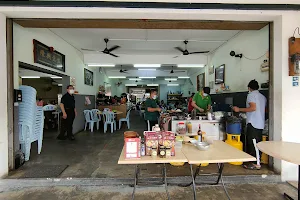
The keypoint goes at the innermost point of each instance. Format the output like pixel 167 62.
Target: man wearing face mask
pixel 255 110
pixel 152 110
pixel 68 109
pixel 202 101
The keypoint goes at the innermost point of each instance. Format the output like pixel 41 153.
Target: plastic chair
pixel 109 119
pixel 96 116
pixel 106 110
pixel 127 120
pixel 88 115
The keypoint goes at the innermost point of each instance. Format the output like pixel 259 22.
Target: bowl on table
pixel 202 146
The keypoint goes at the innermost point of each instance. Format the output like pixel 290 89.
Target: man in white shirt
pixel 255 111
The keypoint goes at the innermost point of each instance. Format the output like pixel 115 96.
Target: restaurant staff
pixel 202 101
pixel 152 110
pixel 255 111
pixel 68 109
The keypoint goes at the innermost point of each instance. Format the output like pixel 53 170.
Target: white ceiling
pixel 145 42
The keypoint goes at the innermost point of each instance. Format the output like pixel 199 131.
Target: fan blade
pixel 177 72
pixel 179 49
pixel 113 48
pixel 90 50
pixel 199 52
pixel 113 55
pixel 175 56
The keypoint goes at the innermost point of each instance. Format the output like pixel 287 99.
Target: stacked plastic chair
pixel 31 121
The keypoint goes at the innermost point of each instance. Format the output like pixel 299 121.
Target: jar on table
pixel 181 128
pixel 189 127
pixel 154 152
pixel 168 152
pixel 162 152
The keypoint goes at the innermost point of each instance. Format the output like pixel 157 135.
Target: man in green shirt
pixel 202 101
pixel 152 110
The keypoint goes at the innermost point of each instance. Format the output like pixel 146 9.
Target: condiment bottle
pixel 143 148
pixel 199 134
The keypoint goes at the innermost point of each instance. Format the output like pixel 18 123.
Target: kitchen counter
pixel 212 128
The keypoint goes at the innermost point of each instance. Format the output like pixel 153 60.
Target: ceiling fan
pixel 186 52
pixel 173 72
pixel 123 70
pixel 106 50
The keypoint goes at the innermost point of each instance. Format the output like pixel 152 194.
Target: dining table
pixel 287 151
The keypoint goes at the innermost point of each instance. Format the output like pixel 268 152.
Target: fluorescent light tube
pixel 135 79
pixel 171 79
pixel 55 77
pixel 130 84
pixel 117 77
pixel 190 65
pixel 147 77
pixel 172 84
pixel 147 65
pixel 147 69
pixel 59 85
pixel 101 65
pixel 183 77
pixel 152 84
pixel 30 77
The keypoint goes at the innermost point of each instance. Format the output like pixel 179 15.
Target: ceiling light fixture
pixel 130 84
pixel 147 77
pixel 117 77
pixel 59 85
pixel 55 77
pixel 172 84
pixel 101 65
pixel 183 77
pixel 147 69
pixel 135 79
pixel 30 77
pixel 146 65
pixel 190 65
pixel 171 79
pixel 152 85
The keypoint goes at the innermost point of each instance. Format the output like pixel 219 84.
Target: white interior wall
pixel 238 72
pixel 23 51
pixel 3 100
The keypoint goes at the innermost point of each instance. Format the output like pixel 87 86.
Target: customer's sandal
pixel 251 166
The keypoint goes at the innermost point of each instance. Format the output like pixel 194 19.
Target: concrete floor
pixel 236 192
pixel 95 155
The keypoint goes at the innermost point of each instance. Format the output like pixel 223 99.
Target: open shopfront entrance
pixel 96 154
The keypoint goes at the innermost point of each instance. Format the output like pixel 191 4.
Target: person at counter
pixel 190 106
pixel 152 110
pixel 202 101
pixel 255 111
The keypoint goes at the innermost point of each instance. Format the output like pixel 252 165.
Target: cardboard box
pixel 132 148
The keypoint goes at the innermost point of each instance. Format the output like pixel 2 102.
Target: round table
pixel 286 151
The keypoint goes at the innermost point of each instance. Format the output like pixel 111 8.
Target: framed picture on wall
pixel 88 77
pixel 48 56
pixel 220 74
pixel 200 81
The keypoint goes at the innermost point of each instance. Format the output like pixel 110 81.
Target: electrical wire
pixel 255 58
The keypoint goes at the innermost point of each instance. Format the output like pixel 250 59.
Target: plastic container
pixel 235 141
pixel 181 128
pixel 233 128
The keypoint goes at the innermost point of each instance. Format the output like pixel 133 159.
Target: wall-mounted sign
pixel 295 81
pixel 88 77
pixel 47 56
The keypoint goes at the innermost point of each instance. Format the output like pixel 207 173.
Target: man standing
pixel 68 109
pixel 152 110
pixel 255 110
pixel 202 101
